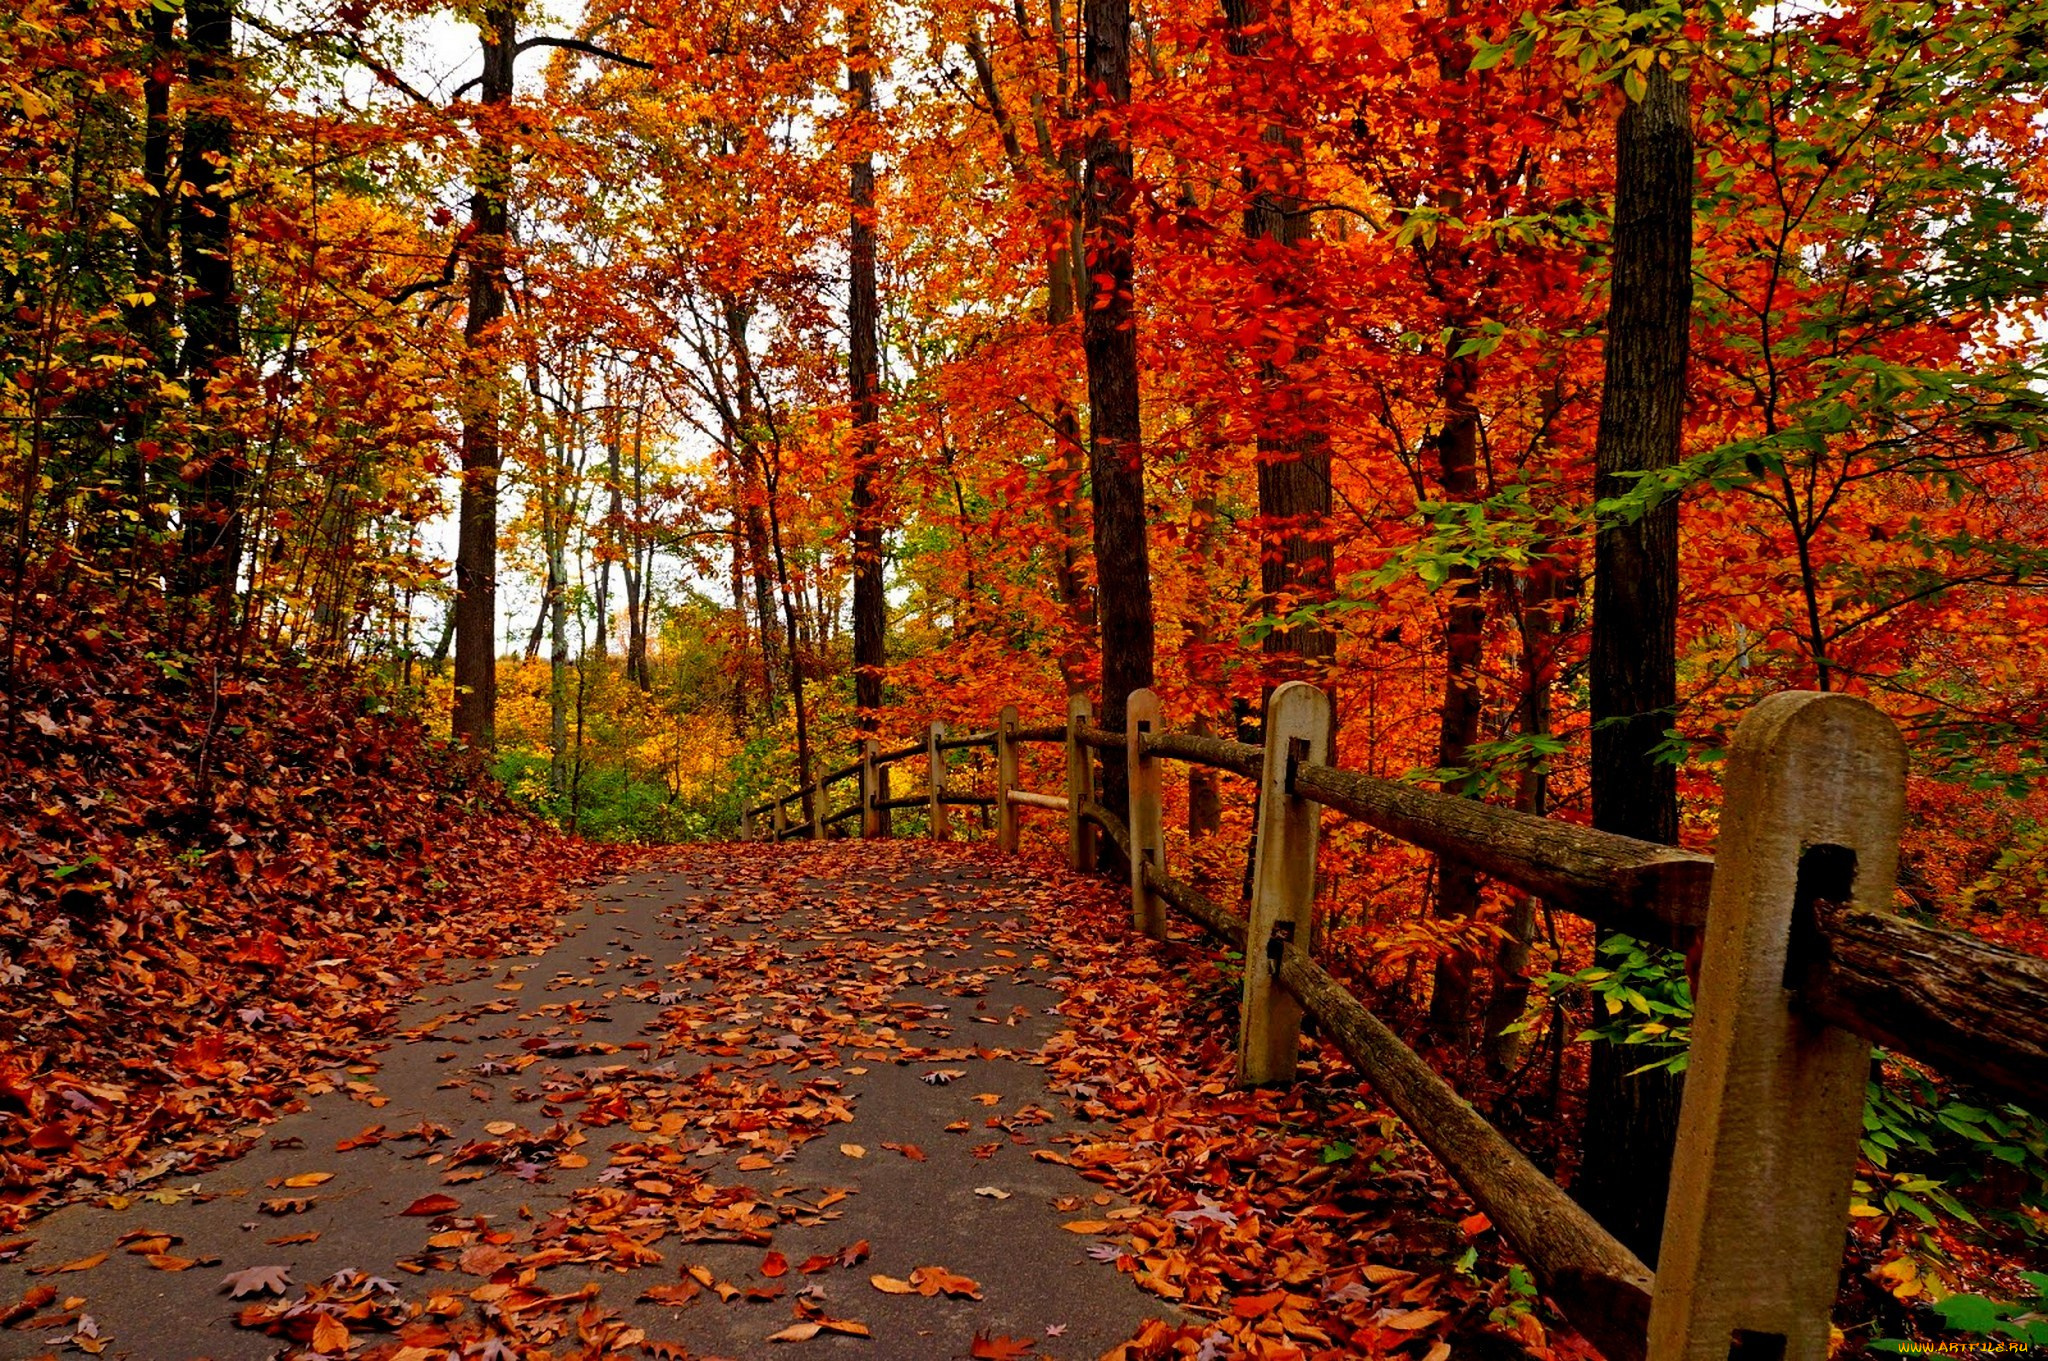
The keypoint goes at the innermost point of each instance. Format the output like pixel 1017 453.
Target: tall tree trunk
pixel 1062 225
pixel 1542 587
pixel 476 552
pixel 1448 265
pixel 870 606
pixel 1109 338
pixel 1294 450
pixel 1208 694
pixel 557 532
pixel 753 494
pixel 213 331
pixel 639 588
pixel 1632 1122
pixel 153 322
pixel 1457 897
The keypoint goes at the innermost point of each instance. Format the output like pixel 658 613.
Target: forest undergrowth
pixel 221 873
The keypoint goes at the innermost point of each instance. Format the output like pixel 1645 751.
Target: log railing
pixel 1801 966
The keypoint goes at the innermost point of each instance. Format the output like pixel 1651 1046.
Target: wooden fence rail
pixel 1802 966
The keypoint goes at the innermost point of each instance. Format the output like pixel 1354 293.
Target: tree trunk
pixel 1294 451
pixel 1109 338
pixel 1632 1122
pixel 1062 220
pixel 1206 692
pixel 1457 898
pixel 870 606
pixel 558 639
pixel 753 493
pixel 476 552
pixel 153 322
pixel 213 527
pixel 639 589
pixel 1542 588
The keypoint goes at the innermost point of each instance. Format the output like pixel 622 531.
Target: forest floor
pixel 890 1098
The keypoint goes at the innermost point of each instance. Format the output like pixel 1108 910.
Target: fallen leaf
pixel 306 1179
pixel 996 1347
pixel 992 1192
pixel 1087 1226
pixel 853 1150
pixel 774 1264
pixel 330 1335
pixel 257 1280
pixel 82 1264
pixel 436 1204
pixel 797 1332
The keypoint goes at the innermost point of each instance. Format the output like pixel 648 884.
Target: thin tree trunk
pixel 1457 898
pixel 476 552
pixel 1632 1122
pixel 1457 449
pixel 870 606
pixel 1294 450
pixel 1542 589
pixel 753 494
pixel 1063 491
pixel 153 321
pixel 1109 338
pixel 639 589
pixel 213 333
pixel 1205 793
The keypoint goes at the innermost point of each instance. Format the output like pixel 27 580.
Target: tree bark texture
pixel 1631 1122
pixel 1109 338
pixel 476 551
pixel 870 605
pixel 212 510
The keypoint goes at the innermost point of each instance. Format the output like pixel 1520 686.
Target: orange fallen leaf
pixel 330 1335
pixel 797 1332
pixel 82 1264
pixel 774 1264
pixel 436 1204
pixel 305 1179
pixel 1087 1226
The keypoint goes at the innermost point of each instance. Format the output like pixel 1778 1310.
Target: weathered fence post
pixel 1147 823
pixel 1006 780
pixel 1773 1108
pixel 818 810
pixel 1080 786
pixel 781 819
pixel 1283 882
pixel 936 772
pixel 870 815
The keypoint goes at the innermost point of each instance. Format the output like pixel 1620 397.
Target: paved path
pixel 728 1097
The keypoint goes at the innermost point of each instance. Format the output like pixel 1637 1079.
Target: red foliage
pixel 217 877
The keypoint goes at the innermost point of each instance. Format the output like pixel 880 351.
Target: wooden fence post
pixel 781 819
pixel 1006 780
pixel 1147 823
pixel 818 811
pixel 936 774
pixel 871 792
pixel 1283 883
pixel 1080 786
pixel 1754 1229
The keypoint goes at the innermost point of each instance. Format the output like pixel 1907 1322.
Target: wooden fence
pixel 1802 966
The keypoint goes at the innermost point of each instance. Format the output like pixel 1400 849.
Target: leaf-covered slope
pixel 217 877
